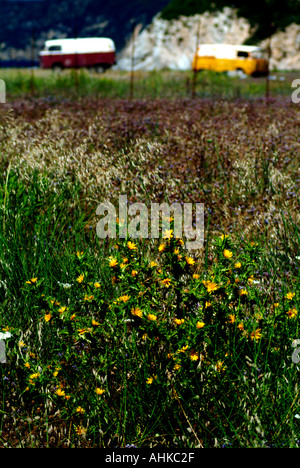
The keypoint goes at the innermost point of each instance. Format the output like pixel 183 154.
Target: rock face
pixel 286 49
pixel 171 44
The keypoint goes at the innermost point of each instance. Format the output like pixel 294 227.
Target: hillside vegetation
pixel 265 17
pixel 55 18
pixel 19 20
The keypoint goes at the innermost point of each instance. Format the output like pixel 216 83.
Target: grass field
pixel 155 84
pixel 139 341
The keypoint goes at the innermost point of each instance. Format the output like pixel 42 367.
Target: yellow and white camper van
pixel 251 60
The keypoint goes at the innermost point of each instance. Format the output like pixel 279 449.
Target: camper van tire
pixel 99 68
pixel 240 73
pixel 57 67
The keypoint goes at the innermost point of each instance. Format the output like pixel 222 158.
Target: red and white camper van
pixel 91 52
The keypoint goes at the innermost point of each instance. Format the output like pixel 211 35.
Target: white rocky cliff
pixel 171 44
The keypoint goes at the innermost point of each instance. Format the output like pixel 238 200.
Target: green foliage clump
pixel 265 17
pixel 139 341
pixel 189 8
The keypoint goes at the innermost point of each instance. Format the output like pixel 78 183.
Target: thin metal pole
pixel 76 59
pixel 268 74
pixel 136 31
pixel 32 62
pixel 132 66
pixel 195 70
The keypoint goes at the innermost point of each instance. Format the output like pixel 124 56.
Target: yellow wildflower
pixel 88 298
pixel 183 349
pixel 194 356
pixel 196 276
pixel 80 431
pixel 240 326
pixel 97 285
pixel 210 286
pixel 32 281
pixel 161 248
pixel 134 273
pixel 178 321
pixel 54 302
pixel 227 253
pixel 250 279
pixel 35 376
pixel 27 365
pixel 168 234
pixel 200 325
pixel 137 312
pixel 113 262
pixel 80 410
pixel 220 366
pixel 149 380
pixel 99 391
pixel 80 279
pixel 243 292
pixel 292 313
pixel 47 317
pixel 153 264
pixel 151 317
pixel 231 318
pixel 131 245
pixel 124 298
pixel 290 295
pixel 238 265
pixel 256 334
pixel 189 260
pixel 166 282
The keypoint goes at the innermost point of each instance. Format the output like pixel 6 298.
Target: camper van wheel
pixel 240 71
pixel 57 67
pixel 99 69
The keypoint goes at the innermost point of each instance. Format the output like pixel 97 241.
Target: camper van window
pixel 55 48
pixel 241 53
